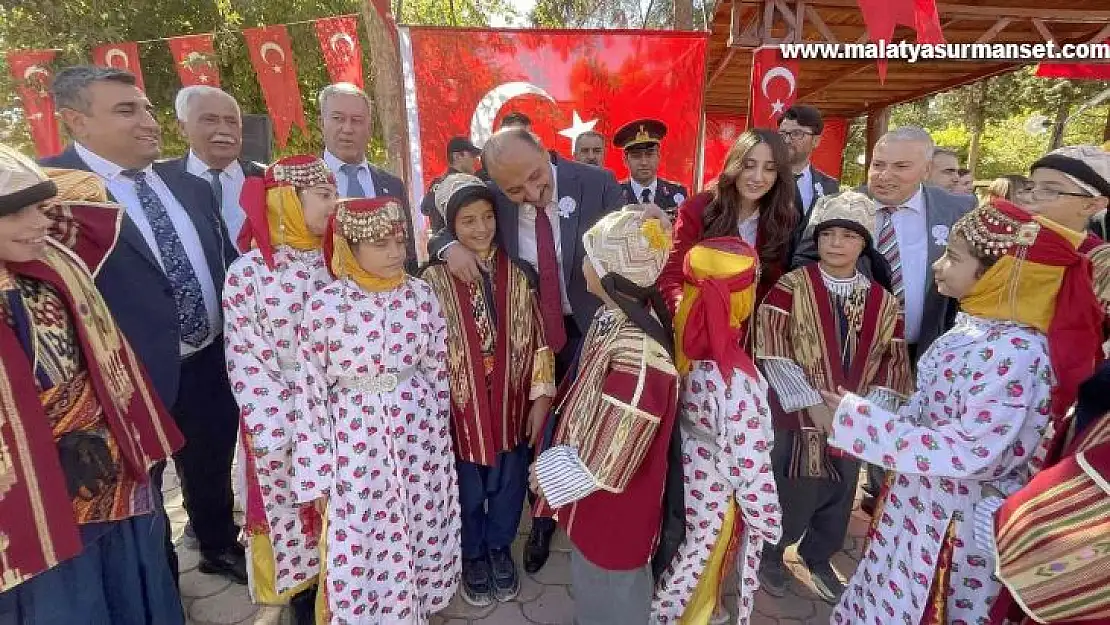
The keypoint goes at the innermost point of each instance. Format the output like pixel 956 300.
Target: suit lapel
pixel 205 224
pixel 932 220
pixel 569 187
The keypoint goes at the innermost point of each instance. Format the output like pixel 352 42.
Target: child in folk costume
pixel 732 503
pixel 1029 327
pixel 264 299
pixel 604 474
pixel 502 376
pixel 821 327
pixel 374 448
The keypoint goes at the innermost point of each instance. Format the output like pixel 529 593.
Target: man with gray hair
pixel 345 122
pixel 912 224
pixel 589 148
pixel 944 170
pixel 213 125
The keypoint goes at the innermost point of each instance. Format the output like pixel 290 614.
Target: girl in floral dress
pixel 732 505
pixel 264 299
pixel 373 447
pixel 984 394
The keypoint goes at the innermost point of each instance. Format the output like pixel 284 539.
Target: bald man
pixel 573 196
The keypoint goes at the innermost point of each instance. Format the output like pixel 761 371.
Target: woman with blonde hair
pixel 1013 188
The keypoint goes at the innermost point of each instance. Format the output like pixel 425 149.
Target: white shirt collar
pixel 554 184
pixel 335 164
pixel 916 202
pixel 101 166
pixel 638 189
pixel 194 165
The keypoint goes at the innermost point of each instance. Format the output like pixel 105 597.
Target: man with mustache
pixel 212 123
pixel 162 284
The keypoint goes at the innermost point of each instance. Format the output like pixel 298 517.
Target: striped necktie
pixel 888 247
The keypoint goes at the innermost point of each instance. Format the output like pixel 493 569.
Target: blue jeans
pixel 491 499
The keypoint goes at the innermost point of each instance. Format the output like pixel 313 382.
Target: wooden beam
pixel 822 27
pixel 721 67
pixel 734 23
pixel 948 9
pixel 1043 30
pixel 878 120
pixel 991 33
pixel 799 31
pixel 768 21
pixel 1101 35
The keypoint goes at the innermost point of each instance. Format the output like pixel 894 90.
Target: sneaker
pixel 506 583
pixel 189 537
pixel 477 583
pixel 772 577
pixel 826 581
pixel 720 616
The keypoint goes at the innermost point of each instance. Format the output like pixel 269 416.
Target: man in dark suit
pixel 913 220
pixel 570 197
pixel 162 283
pixel 213 125
pixel 345 121
pixel 462 158
pixel 641 140
pixel 801 127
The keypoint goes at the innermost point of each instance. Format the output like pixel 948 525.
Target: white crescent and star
pixel 778 72
pixel 116 52
pixel 268 46
pixel 481 123
pixel 341 36
pixel 35 69
pixel 577 127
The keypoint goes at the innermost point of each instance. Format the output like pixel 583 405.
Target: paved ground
pixel 545 599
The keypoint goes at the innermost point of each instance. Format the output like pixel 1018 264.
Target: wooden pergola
pixel 849 88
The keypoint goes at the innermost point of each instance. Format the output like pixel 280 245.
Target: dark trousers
pixel 491 499
pixel 208 416
pixel 819 509
pixel 565 361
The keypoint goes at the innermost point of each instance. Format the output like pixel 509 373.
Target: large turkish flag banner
pixel 123 55
pixel 466 80
pixel 774 86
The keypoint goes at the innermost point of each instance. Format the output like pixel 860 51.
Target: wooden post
pixel 683 15
pixel 388 90
pixel 877 122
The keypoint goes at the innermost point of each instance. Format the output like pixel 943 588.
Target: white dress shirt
pixel 364 177
pixel 526 236
pixel 805 187
pixel 232 178
pixel 911 230
pixel 638 190
pixel 748 229
pixel 123 190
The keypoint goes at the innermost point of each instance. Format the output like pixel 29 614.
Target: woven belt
pixel 385 382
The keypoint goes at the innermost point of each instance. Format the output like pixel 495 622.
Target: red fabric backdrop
pixel 722 130
pixel 467 80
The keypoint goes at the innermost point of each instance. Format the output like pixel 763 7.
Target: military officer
pixel 640 141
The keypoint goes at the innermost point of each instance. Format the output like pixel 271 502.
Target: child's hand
pixel 533 426
pixel 832 400
pixel 534 480
pixel 822 418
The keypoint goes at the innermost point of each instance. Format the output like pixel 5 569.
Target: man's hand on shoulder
pixel 462 263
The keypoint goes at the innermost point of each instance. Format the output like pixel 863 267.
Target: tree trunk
pixel 684 14
pixel 976 116
pixel 1058 124
pixel 388 92
pixel 1106 128
pixel 878 120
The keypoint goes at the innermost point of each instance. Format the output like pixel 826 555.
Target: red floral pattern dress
pixel 376 442
pixel 262 314
pixel 980 410
pixel 726 445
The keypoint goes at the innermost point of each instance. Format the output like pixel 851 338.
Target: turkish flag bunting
pixel 882 16
pixel 723 129
pixel 774 86
pixel 272 58
pixel 566 81
pixel 1076 71
pixel 124 55
pixel 342 52
pixel 31 72
pixel 195 60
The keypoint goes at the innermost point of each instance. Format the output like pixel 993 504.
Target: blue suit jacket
pixel 134 286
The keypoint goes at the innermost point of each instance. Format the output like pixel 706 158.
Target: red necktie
pixel 551 298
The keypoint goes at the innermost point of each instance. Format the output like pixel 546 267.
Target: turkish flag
pixel 566 81
pixel 195 60
pixel 882 16
pixel 124 55
pixel 1075 71
pixel 272 58
pixel 723 129
pixel 342 52
pixel 774 86
pixel 31 71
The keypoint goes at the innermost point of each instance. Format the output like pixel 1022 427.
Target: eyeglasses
pixel 1051 195
pixel 795 135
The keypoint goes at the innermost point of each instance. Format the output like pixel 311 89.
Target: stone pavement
pixel 545 599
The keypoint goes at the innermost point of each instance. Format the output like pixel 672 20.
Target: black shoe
pixel 772 576
pixel 538 549
pixel 230 563
pixel 477 583
pixel 826 581
pixel 303 607
pixel 506 583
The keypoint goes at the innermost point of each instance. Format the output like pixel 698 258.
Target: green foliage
pixel 614 13
pixel 36 24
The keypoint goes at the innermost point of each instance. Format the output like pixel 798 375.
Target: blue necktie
pixel 192 317
pixel 354 187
